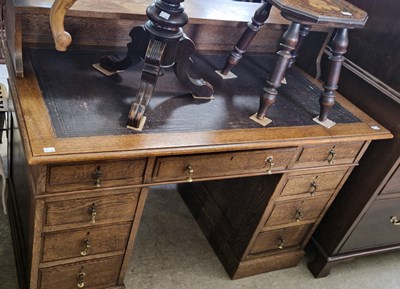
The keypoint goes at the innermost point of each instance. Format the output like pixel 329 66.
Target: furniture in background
pixel 79 178
pixel 363 220
pixel 160 43
pixel 340 15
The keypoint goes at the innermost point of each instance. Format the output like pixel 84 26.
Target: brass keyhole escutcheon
pixel 313 188
pixel 81 279
pixel 86 244
pixel 269 161
pixel 281 241
pixel 97 175
pixel 395 221
pixel 190 170
pixel 92 212
pixel 331 155
pixel 298 215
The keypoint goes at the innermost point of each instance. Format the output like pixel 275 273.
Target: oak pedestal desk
pixel 79 178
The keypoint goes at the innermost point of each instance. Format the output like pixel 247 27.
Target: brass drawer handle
pixel 395 221
pixel 92 212
pixel 97 175
pixel 270 163
pixel 331 155
pixel 85 251
pixel 281 242
pixel 298 215
pixel 81 280
pixel 190 170
pixel 313 188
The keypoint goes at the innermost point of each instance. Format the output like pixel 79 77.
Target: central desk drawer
pixel 85 242
pixel 95 274
pixel 95 175
pixel 192 167
pixel 292 212
pixel 91 211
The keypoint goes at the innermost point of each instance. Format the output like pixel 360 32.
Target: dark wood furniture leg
pixel 161 43
pixel 339 46
pixel 304 30
pixel 260 16
pixel 321 265
pixel 288 44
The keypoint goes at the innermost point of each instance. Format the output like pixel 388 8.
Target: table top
pixel 70 112
pixel 335 13
pixel 198 11
pixel 324 12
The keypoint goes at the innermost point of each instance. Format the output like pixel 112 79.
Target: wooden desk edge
pixel 37 133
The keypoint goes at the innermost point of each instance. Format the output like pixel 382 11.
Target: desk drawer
pixel 328 154
pixel 280 239
pixel 313 184
pixel 95 175
pixel 85 242
pixel 183 168
pixel 83 211
pixel 292 212
pixel 95 274
pixel 379 227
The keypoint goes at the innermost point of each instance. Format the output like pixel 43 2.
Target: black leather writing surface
pixel 83 102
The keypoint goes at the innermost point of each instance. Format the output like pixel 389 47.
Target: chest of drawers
pixel 362 220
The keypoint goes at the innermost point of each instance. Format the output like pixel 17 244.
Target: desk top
pixel 70 112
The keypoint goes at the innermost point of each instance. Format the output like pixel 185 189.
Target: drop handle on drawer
pixel 281 241
pixel 395 221
pixel 269 161
pixel 298 214
pixel 81 280
pixel 313 188
pixel 331 155
pixel 97 175
pixel 190 171
pixel 92 212
pixel 85 251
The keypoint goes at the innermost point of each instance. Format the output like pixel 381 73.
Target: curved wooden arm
pixel 57 13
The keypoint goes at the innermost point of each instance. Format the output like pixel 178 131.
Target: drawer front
pixel 313 184
pixel 183 168
pixel 94 175
pixel 328 154
pixel 292 212
pixel 95 210
pixel 97 274
pixel 87 242
pixel 280 239
pixel 378 227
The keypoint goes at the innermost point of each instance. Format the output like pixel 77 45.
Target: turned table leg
pixel 288 44
pixel 304 30
pixel 339 46
pixel 260 16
